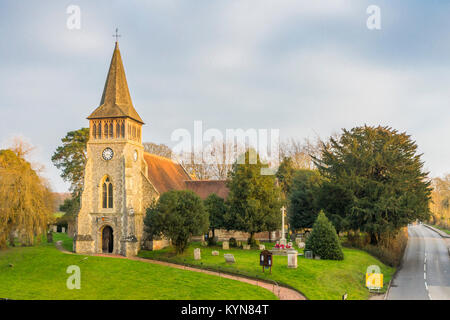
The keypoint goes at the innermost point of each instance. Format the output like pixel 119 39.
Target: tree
pixel 301 153
pixel 384 174
pixel 323 240
pixel 26 201
pixel 216 208
pixel 70 207
pixel 71 158
pixel 178 215
pixel 254 199
pixel 303 199
pixel 337 202
pixel 158 149
pixel 285 174
pixel 212 162
pixel 440 205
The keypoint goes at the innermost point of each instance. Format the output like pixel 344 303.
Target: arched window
pixel 110 196
pixel 107 198
pixel 94 131
pixel 106 131
pixel 117 129
pixel 111 127
pixel 105 195
pixel 100 130
pixel 123 130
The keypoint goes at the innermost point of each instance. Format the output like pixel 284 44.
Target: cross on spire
pixel 117 35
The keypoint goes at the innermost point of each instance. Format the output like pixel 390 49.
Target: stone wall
pixel 223 234
pixel 155 244
pixel 132 195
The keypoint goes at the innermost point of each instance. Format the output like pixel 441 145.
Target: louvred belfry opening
pixel 116 113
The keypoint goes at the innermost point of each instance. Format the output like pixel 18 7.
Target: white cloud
pixel 231 63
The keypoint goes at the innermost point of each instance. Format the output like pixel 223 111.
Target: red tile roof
pixel 203 188
pixel 165 174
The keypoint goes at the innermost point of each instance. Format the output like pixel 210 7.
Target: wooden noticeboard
pixel 265 260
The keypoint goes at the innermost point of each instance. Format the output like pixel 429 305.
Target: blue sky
pixel 307 68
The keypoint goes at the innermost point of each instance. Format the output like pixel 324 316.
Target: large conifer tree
pixel 303 199
pixel 254 199
pixel 382 170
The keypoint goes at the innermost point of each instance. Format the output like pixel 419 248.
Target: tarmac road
pixel 425 273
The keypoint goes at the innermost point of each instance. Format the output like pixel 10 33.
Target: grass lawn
pixel 67 242
pixel 442 229
pixel 39 272
pixel 316 279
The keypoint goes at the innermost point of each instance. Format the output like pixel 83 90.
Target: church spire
pixel 116 99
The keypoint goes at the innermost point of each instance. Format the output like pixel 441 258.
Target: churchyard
pixel 39 272
pixel 316 279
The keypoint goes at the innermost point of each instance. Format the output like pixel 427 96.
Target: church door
pixel 107 240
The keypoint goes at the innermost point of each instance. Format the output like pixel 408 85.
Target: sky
pixel 307 68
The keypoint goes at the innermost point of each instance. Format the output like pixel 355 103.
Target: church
pixel 121 180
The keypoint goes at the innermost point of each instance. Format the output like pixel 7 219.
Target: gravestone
pixel 204 244
pixel 292 259
pixel 225 245
pixel 55 229
pixel 229 258
pixel 197 255
pixel 308 254
pixel 317 257
pixel 301 245
pixel 246 247
pixel 215 253
pixel 63 230
pixel 262 247
pixel 50 236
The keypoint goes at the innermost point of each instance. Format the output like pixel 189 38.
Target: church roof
pixel 165 174
pixel 116 99
pixel 203 188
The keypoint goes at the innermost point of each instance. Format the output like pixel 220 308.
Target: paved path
pixel 59 246
pixel 425 272
pixel 283 293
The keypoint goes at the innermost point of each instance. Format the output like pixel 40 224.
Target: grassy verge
pixel 39 272
pixel 441 228
pixel 316 279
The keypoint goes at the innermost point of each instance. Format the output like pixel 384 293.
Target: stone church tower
pixel 121 180
pixel 113 200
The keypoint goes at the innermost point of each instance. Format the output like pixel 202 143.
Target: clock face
pixel 107 154
pixel 135 155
